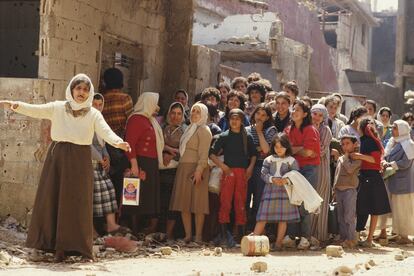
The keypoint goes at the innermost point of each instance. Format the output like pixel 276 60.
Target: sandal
pixel 86 259
pixel 59 256
pixel 122 230
pixel 275 248
pixel 183 242
pixel 194 244
pixel 38 256
pixel 404 241
pixel 367 244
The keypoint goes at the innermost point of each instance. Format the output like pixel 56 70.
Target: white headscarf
pixel 191 129
pixel 403 138
pixel 86 104
pixel 146 106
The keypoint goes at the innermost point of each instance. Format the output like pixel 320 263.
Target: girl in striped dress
pixel 263 131
pixel 275 205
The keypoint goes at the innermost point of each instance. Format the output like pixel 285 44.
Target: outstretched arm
pixel 39 111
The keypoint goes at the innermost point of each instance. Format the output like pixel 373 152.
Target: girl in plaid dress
pixel 104 198
pixel 275 205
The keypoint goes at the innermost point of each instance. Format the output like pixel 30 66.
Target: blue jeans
pixel 303 228
pixel 347 212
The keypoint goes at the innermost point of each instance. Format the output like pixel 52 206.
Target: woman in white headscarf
pixel 62 212
pixel 399 154
pixel 320 222
pixel 190 192
pixel 145 136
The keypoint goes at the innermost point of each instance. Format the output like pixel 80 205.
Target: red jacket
pixel 309 139
pixel 141 137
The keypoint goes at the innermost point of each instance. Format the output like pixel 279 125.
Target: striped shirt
pixel 269 134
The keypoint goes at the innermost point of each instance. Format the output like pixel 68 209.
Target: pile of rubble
pixel 13 251
pixel 12 238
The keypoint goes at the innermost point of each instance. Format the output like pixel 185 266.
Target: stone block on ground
pixel 334 251
pixel 342 271
pixel 259 267
pixel 166 250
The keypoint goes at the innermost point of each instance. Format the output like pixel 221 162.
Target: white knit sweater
pixel 66 128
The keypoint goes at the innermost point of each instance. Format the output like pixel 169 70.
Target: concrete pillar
pixel 179 24
pixel 400 52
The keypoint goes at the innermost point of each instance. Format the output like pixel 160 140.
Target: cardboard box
pixel 130 192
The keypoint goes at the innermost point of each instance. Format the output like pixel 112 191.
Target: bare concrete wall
pixel 409 32
pixel 204 69
pixel 383 54
pixel 72 33
pixel 353 47
pixel 179 14
pixel 19 38
pixel 23 144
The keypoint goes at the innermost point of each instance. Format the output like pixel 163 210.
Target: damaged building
pixel 164 45
pixel 352 30
pixel 45 43
pixel 281 40
pixel 159 45
pixel 404 59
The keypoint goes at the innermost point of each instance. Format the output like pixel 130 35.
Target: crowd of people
pixel 221 168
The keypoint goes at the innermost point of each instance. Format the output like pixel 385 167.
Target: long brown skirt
pixel 149 194
pixel 187 197
pixel 62 212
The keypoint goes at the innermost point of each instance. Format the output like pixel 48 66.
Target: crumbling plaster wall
pixel 204 69
pixel 23 144
pixel 256 43
pixel 178 46
pixel 383 54
pixel 72 32
pixel 409 32
pixel 300 24
pixel 353 49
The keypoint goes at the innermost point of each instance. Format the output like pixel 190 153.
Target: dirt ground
pixel 195 262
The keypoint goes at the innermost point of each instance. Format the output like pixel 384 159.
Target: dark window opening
pixel 331 38
pixel 127 57
pixel 363 33
pixel 19 38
